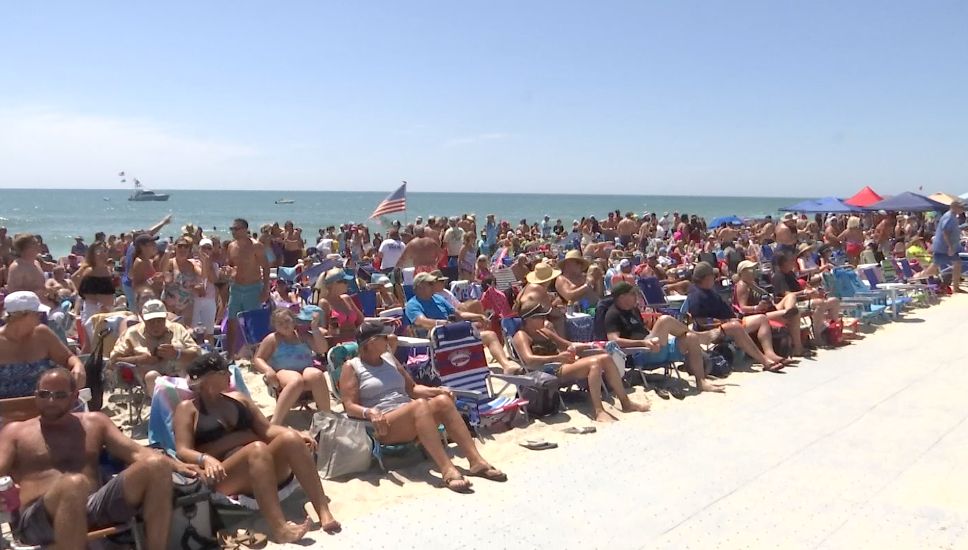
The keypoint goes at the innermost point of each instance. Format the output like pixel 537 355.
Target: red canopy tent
pixel 864 197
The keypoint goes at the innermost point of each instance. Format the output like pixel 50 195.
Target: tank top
pixel 291 356
pixel 381 387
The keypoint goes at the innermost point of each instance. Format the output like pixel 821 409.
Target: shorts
pixel 944 260
pixel 790 248
pixel 105 507
pixel 670 354
pixel 203 313
pixel 244 298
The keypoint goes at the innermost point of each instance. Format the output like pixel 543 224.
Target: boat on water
pixel 144 195
pixel 285 201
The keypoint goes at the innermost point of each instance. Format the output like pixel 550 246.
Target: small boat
pixel 285 201
pixel 144 195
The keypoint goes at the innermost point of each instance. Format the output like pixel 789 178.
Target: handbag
pixel 344 447
pixel 94 370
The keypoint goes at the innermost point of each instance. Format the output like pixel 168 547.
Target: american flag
pixel 395 202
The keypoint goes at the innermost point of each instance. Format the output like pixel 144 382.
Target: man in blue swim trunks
pixel 946 245
pixel 624 325
pixel 249 288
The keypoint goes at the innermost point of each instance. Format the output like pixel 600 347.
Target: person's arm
pixel 522 343
pixel 186 346
pixel 124 352
pixel 567 290
pixel 60 355
pixel 154 229
pixel 8 449
pixel 352 305
pixel 260 361
pixel 317 336
pixel 126 450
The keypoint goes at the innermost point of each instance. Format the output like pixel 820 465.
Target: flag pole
pixel 405 214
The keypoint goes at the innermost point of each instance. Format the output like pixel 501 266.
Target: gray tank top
pixel 382 387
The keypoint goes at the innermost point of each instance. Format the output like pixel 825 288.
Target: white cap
pixel 205 242
pixel 624 263
pixel 154 309
pixel 23 300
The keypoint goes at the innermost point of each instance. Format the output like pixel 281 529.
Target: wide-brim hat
pixel 542 273
pixel 804 248
pixel 574 255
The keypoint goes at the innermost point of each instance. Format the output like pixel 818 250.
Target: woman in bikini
pixel 182 274
pixel 144 272
pixel 338 310
pixel 285 358
pixel 853 240
pixel 467 258
pixel 239 451
pixel 95 282
pixel 538 344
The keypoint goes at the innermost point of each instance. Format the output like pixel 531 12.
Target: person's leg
pixel 232 310
pixel 614 381
pixel 737 332
pixel 589 368
pixel 760 326
pixel 472 306
pixel 689 345
pixel 315 381
pixel 445 412
pixel 66 505
pixel 493 344
pixel 253 469
pixel 956 274
pixel 147 484
pixel 292 387
pixel 416 420
pixel 290 453
pixel 791 318
pixel 150 376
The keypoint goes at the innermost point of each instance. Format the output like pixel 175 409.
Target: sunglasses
pixel 47 394
pixel 183 246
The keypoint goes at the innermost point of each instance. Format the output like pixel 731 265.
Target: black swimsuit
pixel 95 285
pixel 210 428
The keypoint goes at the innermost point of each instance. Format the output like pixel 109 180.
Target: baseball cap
pixel 702 270
pixel 439 275
pixel 154 309
pixel 621 288
pixel 746 264
pixel 372 329
pixel 23 300
pixel 424 278
pixel 205 242
pixel 144 239
pixel 624 264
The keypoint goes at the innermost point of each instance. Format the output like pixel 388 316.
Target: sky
pixel 752 98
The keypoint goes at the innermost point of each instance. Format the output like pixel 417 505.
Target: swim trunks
pixel 105 507
pixel 244 298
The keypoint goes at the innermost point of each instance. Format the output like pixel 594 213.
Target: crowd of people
pixel 178 299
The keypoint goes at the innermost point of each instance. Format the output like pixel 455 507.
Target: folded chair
pixel 457 354
pixel 639 360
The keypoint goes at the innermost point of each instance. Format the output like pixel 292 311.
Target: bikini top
pixel 92 285
pixel 210 427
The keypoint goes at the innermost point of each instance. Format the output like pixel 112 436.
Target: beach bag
pixel 194 520
pixel 782 341
pixel 344 446
pixel 541 393
pixel 716 364
pixel 833 333
pixel 579 327
pixel 94 370
pixel 422 371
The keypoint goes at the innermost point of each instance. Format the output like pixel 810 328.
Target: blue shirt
pixel 490 233
pixel 707 303
pixel 435 308
pixel 947 225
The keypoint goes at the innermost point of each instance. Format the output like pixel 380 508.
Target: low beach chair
pixel 862 309
pixel 655 298
pixel 639 360
pixel 897 293
pixel 457 354
pixel 889 298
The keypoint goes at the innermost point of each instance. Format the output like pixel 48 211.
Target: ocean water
pixel 59 214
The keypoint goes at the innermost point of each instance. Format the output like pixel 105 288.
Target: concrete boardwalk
pixel 865 447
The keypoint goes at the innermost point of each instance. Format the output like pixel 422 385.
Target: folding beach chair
pixel 457 354
pixel 651 290
pixel 504 278
pixel 895 293
pixel 255 325
pixel 639 360
pixel 863 309
pixel 888 298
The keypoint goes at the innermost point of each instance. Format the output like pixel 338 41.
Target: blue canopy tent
pixel 909 202
pixel 826 204
pixel 726 220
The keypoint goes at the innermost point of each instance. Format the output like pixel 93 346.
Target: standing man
pixel 946 245
pixel 421 252
pixel 389 253
pixel 453 241
pixel 249 270
pixel 490 235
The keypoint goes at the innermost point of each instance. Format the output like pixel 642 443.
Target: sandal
pixel 242 538
pixel 537 444
pixel 490 473
pixel 452 481
pixel 580 431
pixel 661 392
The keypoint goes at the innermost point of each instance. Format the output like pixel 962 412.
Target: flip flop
pixel 449 481
pixel 661 392
pixel 774 367
pixel 537 444
pixel 581 431
pixel 490 473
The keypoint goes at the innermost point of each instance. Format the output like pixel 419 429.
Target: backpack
pixel 833 333
pixel 194 521
pixel 94 370
pixel 541 394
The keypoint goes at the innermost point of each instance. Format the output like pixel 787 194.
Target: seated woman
pixel 340 313
pixel 95 282
pixel 239 451
pixel 537 344
pixel 785 282
pixel 283 296
pixel 285 358
pixel 751 299
pixel 482 269
pixel 27 349
pixel 376 387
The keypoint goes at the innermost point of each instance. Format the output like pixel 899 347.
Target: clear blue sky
pixel 673 97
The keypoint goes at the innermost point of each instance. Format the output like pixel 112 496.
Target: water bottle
pixel 10 497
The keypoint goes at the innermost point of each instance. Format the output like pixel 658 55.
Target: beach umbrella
pixel 964 195
pixel 865 197
pixel 825 204
pixel 943 198
pixel 726 220
pixel 909 202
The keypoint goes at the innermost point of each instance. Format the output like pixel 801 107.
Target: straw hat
pixel 542 273
pixel 804 248
pixel 576 256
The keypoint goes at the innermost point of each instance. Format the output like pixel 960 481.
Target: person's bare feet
pixel 327 522
pixel 604 417
pixel 291 532
pixel 512 368
pixel 706 385
pixel 632 406
pixel 710 336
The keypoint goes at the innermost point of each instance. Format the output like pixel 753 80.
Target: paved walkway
pixel 866 447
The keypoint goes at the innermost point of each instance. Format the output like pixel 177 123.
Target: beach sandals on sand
pixel 537 444
pixel 581 431
pixel 242 539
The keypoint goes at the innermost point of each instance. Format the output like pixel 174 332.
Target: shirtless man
pixel 421 252
pixel 573 283
pixel 249 271
pixel 626 229
pixel 883 233
pixel 27 270
pixel 536 291
pixel 786 234
pixel 55 459
pixel 6 246
pixel 766 232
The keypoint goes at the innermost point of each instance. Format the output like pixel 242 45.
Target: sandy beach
pixel 803 455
